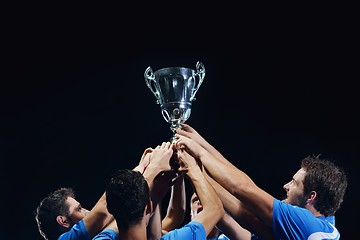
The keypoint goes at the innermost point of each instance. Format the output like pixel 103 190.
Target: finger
pixel 146 151
pixel 163 145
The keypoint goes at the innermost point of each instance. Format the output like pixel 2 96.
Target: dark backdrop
pixel 75 106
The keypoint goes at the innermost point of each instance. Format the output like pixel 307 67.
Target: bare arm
pixel 232 229
pixel 232 179
pixel 154 226
pixel 239 213
pixel 158 172
pixel 158 167
pixel 177 206
pixel 98 217
pixel 155 167
pixel 144 161
pixel 112 225
pixel 212 206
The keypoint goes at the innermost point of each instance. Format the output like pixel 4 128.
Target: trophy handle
pixel 200 74
pixel 150 82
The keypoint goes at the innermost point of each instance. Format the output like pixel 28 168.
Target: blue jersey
pixel 191 231
pixel 107 234
pixel 292 222
pixel 77 232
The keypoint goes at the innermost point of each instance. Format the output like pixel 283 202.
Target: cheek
pixel 295 195
pixel 77 216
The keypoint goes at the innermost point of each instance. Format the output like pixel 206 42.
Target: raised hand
pixel 144 161
pixel 186 161
pixel 191 133
pixel 160 157
pixel 190 145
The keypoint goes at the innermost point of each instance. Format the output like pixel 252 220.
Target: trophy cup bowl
pixel 174 89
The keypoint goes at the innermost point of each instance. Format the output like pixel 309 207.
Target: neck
pixel 135 232
pixel 315 212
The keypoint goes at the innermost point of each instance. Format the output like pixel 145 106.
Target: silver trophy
pixel 175 89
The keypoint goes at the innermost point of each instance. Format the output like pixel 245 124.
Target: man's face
pixel 76 211
pixel 195 205
pixel 295 189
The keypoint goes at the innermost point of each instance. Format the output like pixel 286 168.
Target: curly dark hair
pixel 49 208
pixel 127 194
pixel 328 180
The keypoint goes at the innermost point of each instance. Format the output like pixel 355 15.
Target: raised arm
pixel 239 213
pixel 232 229
pixel 98 217
pixel 232 179
pixel 153 228
pixel 177 206
pixel 154 165
pixel 212 206
pixel 159 166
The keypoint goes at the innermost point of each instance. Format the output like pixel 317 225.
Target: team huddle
pixel 225 202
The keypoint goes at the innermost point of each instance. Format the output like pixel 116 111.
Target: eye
pixel 195 200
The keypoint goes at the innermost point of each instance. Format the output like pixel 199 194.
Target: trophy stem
pixel 173 139
pixel 173 127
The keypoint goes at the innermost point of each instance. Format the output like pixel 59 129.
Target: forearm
pixel 212 206
pixel 203 188
pixel 232 229
pixel 98 217
pixel 177 206
pixel 241 197
pixel 154 229
pixel 236 209
pixel 225 173
pixel 150 174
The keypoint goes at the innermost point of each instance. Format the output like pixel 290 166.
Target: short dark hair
pixel 49 208
pixel 127 194
pixel 328 180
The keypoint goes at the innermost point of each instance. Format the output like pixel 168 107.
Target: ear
pixel 312 196
pixel 62 221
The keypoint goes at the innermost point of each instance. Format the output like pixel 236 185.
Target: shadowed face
pixel 76 211
pixel 195 205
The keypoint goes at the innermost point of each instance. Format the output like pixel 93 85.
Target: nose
pixel 285 187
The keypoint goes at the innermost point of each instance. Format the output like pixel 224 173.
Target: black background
pixel 280 84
